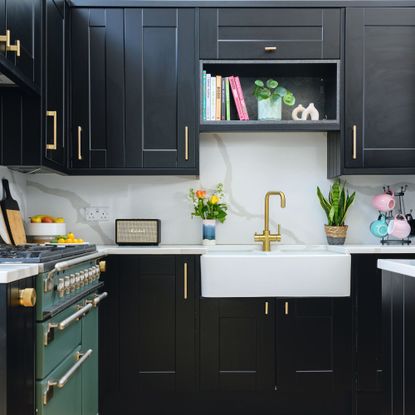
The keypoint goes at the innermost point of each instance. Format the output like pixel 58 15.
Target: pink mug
pixel 399 227
pixel 384 202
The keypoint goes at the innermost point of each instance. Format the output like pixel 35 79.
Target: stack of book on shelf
pixel 216 97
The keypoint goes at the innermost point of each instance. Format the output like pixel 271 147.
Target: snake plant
pixel 337 204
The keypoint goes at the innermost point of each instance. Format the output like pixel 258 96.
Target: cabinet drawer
pixel 270 33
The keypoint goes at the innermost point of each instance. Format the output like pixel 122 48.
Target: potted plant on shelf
pixel 336 207
pixel 270 97
pixel 210 208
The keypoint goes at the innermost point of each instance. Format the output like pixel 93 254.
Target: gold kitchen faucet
pixel 267 237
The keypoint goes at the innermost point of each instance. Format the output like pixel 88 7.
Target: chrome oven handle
pixel 60 266
pixel 49 334
pixel 81 358
pixel 96 300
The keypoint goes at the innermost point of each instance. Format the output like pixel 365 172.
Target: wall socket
pixel 97 214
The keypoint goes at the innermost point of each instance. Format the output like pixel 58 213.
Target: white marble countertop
pixel 399 266
pixel 14 272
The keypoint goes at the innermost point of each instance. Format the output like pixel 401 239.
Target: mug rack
pixel 399 209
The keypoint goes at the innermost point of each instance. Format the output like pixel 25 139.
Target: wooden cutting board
pixel 12 216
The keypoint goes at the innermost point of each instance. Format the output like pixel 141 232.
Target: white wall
pixel 248 164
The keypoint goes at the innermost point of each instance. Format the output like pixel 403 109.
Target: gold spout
pixel 267 237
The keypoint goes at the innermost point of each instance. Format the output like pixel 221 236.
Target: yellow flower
pixel 214 200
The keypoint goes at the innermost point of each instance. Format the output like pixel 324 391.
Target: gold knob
pixel 27 297
pixel 102 266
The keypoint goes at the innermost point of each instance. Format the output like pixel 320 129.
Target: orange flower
pixel 200 194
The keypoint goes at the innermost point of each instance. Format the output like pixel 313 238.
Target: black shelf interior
pixel 310 81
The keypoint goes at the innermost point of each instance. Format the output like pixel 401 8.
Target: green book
pixel 204 96
pixel 228 101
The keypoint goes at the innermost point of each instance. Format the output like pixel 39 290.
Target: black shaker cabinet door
pixel 54 146
pixel 237 338
pixel 380 54
pixel 133 91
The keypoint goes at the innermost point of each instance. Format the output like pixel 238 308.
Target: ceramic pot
pixel 384 202
pixel 336 235
pixel 399 227
pixel 379 227
pixel 209 231
pixel 269 109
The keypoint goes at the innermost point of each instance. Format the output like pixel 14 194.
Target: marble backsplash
pixel 248 164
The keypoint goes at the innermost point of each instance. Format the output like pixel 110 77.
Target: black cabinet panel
pixel 379 132
pixel 237 345
pixel 237 33
pixel 133 108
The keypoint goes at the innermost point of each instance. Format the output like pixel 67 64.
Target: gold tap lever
pixel 267 237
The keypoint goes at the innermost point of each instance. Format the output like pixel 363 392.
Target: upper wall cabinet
pixel 133 91
pixel 20 32
pixel 275 33
pixel 379 133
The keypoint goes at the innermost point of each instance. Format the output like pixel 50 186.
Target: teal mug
pixel 379 227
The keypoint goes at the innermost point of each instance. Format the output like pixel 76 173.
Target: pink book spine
pixel 236 98
pixel 241 98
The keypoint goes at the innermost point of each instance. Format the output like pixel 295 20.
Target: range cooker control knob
pixel 67 285
pixel 61 287
pixel 77 281
pixel 82 279
pixel 102 265
pixel 27 297
pixel 73 282
pixel 90 274
pixel 98 271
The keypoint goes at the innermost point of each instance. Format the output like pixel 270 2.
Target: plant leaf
pixel 259 83
pixel 281 91
pixel 289 99
pixel 272 84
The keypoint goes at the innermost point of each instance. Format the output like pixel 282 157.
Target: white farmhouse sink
pixel 287 271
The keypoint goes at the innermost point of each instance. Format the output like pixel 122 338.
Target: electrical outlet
pixel 97 214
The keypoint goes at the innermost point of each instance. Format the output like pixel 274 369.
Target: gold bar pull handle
pixel 15 48
pixel 354 150
pixel 270 49
pixel 5 39
pixel 80 143
pixel 266 310
pixel 185 281
pixel 286 308
pixel 54 115
pixel 186 143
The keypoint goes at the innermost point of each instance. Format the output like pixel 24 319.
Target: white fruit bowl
pixel 43 232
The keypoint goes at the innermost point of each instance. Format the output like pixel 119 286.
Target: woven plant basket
pixel 336 235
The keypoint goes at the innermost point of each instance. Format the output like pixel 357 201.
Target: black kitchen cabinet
pixel 277 355
pixel 21 61
pixel 148 333
pixel 17 351
pixel 398 294
pixel 133 91
pixel 378 130
pixel 54 95
pixel 270 33
pixel 237 339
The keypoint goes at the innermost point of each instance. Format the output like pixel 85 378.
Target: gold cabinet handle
pixel 79 143
pixel 185 281
pixel 15 48
pixel 286 308
pixel 354 150
pixel 266 311
pixel 6 39
pixel 54 115
pixel 270 48
pixel 186 143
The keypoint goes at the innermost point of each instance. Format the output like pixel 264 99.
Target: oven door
pixel 61 391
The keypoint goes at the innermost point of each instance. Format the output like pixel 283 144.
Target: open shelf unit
pixel 316 81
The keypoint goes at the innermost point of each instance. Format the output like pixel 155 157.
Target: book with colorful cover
pixel 238 105
pixel 218 105
pixel 228 100
pixel 207 97
pixel 204 95
pixel 212 98
pixel 241 98
pixel 223 97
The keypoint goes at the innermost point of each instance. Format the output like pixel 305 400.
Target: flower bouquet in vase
pixel 209 206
